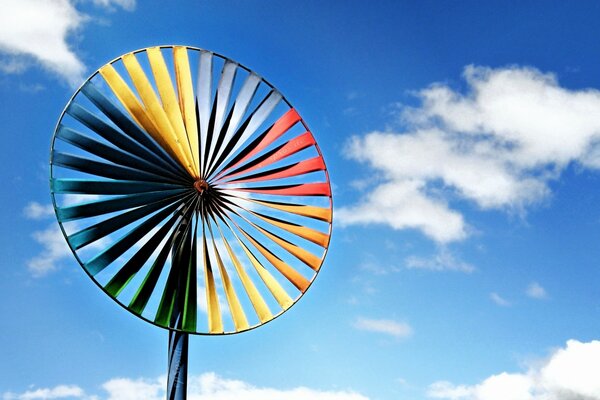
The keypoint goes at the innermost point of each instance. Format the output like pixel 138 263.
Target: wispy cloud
pixel 54 249
pixel 497 146
pixel 51 240
pixel 12 65
pixel 128 5
pixel 35 210
pixel 384 326
pixel 570 373
pixel 57 392
pixel 443 260
pixel 536 291
pixel 373 265
pixel 499 300
pixel 207 386
pixel 38 31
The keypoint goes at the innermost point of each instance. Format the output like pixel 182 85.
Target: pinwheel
pixel 191 191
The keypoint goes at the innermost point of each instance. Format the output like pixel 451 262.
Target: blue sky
pixel 462 139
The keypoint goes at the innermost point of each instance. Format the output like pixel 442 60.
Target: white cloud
pixel 35 210
pixel 443 260
pixel 54 249
pixel 210 386
pixel 135 389
pixel 39 30
pixel 54 246
pixel 51 239
pixel 570 373
pixel 12 65
pixel 499 300
pixel 128 5
pixel 385 326
pixel 402 205
pixel 57 392
pixel 536 291
pixel 496 146
pixel 207 386
pixel 497 387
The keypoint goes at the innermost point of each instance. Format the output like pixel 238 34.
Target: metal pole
pixel 178 359
pixel 178 341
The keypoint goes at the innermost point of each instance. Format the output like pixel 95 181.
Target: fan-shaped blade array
pixel 190 190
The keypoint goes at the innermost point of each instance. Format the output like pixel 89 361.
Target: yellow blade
pixel 155 110
pixel 237 313
pixel 284 300
pixel 290 273
pixel 215 323
pixel 259 304
pixel 169 100
pixel 133 106
pixel 320 213
pixel 314 236
pixel 187 103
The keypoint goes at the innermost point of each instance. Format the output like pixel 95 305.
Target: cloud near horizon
pixel 496 146
pixel 207 386
pixel 570 373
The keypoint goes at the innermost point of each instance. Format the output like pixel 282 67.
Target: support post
pixel 178 341
pixel 178 360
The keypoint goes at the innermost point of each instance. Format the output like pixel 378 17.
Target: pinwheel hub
pixel 201 186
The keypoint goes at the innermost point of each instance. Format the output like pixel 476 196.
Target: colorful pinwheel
pixel 190 190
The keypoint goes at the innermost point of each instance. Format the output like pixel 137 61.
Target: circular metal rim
pixel 79 261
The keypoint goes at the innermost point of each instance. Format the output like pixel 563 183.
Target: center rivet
pixel 201 186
